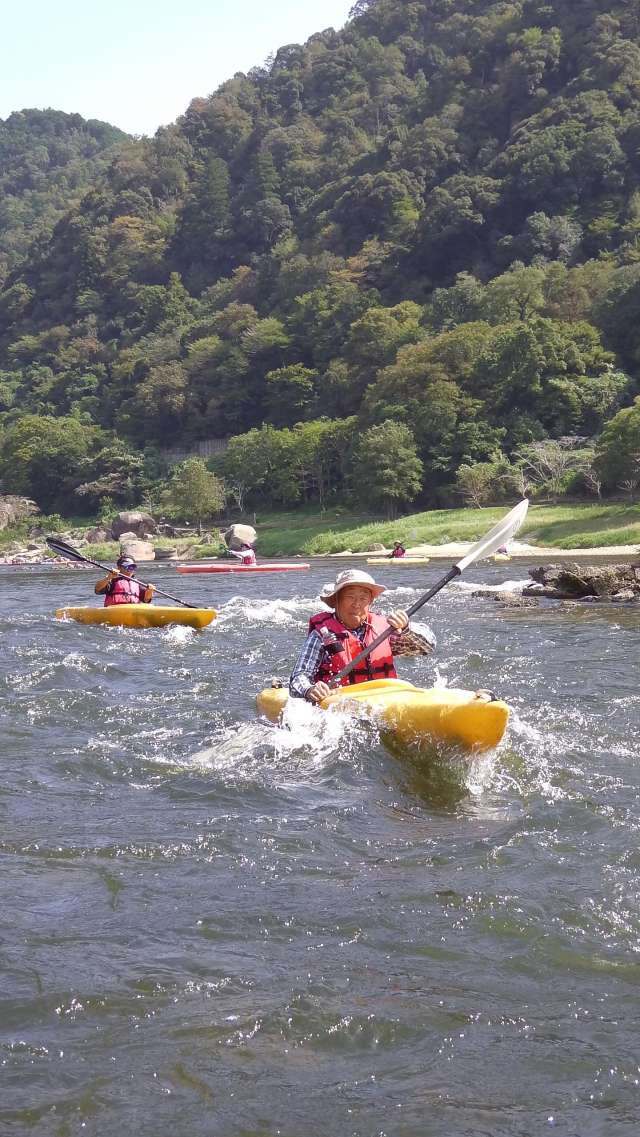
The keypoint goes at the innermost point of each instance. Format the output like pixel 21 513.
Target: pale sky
pixel 138 63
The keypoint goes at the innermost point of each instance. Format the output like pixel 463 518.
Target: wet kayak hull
pixel 412 715
pixel 139 616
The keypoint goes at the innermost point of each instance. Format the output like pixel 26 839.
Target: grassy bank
pixel 560 526
pixel 307 532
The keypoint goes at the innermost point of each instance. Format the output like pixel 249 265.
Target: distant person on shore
pixel 398 550
pixel 246 553
pixel 121 587
pixel 336 637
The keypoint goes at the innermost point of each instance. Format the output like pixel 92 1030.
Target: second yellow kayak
pixel 139 616
pixel 409 715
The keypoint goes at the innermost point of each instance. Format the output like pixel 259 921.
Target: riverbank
pixel 576 530
pixel 520 553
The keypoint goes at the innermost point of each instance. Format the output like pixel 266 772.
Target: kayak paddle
pixel 499 535
pixel 68 551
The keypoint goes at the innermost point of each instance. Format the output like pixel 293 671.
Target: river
pixel 214 928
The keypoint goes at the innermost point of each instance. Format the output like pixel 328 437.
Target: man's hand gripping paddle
pixel 501 534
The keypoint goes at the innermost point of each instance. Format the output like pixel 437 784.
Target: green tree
pixel 261 463
pixel 194 493
pixel 290 394
pixel 322 455
pixel 479 483
pixel 618 448
pixel 386 469
pixel 156 411
pixel 427 389
pixel 41 457
pixel 514 295
pixel 543 377
pixel 115 473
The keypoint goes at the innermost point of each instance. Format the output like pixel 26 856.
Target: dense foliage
pixel 48 160
pixel 429 219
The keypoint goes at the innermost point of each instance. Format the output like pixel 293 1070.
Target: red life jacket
pixel 378 665
pixel 123 590
pixel 248 557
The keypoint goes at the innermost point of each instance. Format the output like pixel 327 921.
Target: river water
pixel 214 928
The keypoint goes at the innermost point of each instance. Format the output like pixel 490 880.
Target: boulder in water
pixel 510 599
pixel 585 582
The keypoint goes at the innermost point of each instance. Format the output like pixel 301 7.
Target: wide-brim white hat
pixel 351 576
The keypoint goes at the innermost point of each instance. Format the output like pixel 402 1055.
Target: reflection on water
pixel 220 926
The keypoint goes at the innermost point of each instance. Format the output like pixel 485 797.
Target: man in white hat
pixel 335 638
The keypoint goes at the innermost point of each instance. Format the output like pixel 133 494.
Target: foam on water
pixel 178 634
pixel 276 613
pixel 504 586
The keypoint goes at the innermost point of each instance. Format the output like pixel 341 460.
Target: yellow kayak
pixel 139 616
pixel 395 561
pixel 410 715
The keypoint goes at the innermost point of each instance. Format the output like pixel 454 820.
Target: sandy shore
pixel 519 552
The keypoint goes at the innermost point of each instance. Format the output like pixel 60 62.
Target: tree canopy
pixel 430 218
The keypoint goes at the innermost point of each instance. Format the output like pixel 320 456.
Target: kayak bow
pixel 412 715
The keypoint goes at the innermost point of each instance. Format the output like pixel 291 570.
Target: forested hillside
pixel 48 160
pixel 410 248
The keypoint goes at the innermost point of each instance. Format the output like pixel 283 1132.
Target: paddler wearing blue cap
pixel 121 587
pixel 336 637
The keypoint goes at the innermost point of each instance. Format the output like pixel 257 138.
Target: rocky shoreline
pixel 578 583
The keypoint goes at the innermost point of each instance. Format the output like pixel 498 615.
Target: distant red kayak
pixel 244 568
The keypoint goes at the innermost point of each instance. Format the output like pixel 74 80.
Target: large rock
pixel 13 508
pixel 134 547
pixel 238 535
pixel 133 521
pixel 585 582
pixel 97 536
pixel 510 599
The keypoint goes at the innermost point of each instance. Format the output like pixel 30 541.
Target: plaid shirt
pixel 308 662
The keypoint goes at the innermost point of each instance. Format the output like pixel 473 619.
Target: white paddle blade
pixel 501 534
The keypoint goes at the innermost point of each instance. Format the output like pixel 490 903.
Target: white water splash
pixel 240 610
pixel 232 749
pixel 504 586
pixel 178 634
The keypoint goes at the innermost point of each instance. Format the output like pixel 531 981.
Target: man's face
pixel 352 605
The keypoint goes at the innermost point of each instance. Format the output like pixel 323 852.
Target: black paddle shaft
pixel 451 575
pixel 72 554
